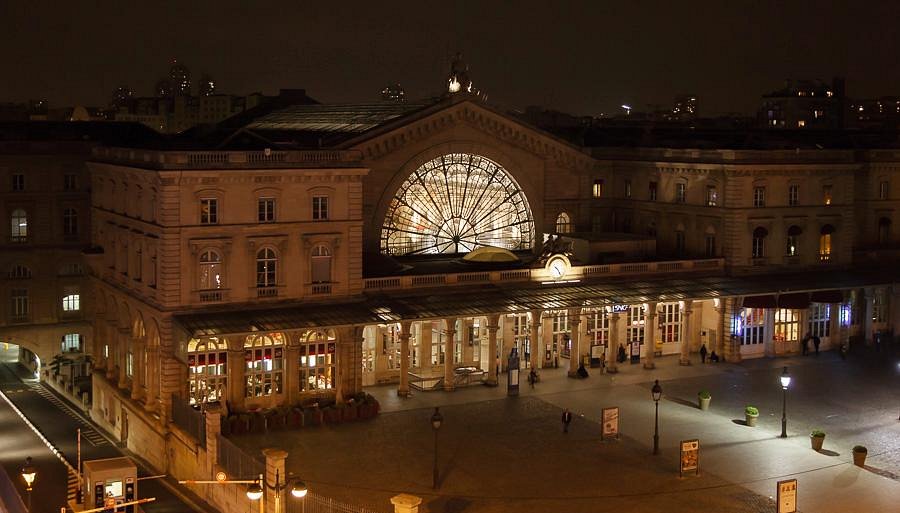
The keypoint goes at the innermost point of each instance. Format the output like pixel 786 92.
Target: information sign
pixel 690 456
pixel 610 423
pixel 787 496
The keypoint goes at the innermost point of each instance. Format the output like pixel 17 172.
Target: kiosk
pixel 110 479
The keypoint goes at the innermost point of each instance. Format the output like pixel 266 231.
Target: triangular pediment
pixel 452 113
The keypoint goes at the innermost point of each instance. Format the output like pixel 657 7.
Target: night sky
pixel 580 57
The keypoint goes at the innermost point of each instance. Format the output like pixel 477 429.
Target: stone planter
pixel 350 412
pixel 751 419
pixel 859 458
pixel 332 415
pixel 816 442
pixel 704 402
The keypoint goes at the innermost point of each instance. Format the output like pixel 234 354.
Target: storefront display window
pixel 264 357
pixel 317 361
pixel 207 370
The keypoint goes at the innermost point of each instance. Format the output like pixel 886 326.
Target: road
pixel 59 424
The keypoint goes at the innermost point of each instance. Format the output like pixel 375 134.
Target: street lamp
pixel 785 383
pixel 656 392
pixel 436 421
pixel 256 491
pixel 28 474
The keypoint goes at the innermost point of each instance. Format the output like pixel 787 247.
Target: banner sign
pixel 690 456
pixel 787 496
pixel 610 423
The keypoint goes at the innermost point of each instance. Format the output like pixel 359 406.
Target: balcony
pixel 211 296
pixel 263 292
pixel 16 318
pixel 227 159
pixel 18 239
pixel 759 261
pixel 318 289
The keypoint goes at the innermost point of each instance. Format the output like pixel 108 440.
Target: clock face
pixel 558 268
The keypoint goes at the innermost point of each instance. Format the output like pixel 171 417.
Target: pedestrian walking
pixel 804 344
pixel 621 353
pixel 703 353
pixel 566 420
pixel 555 359
pixel 816 342
pixel 532 377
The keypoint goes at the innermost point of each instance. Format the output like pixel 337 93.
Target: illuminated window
pixel 454 204
pixel 70 222
pixel 787 325
pixel 521 328
pixel 598 188
pixel 634 328
pixel 712 196
pixel 317 361
pixel 71 303
pixel 321 264
pixel 793 241
pixel 670 323
pixel 825 243
pixel 826 194
pixel 883 188
pixel 759 196
pixel 207 370
pixel 209 211
pixel 18 229
pixel 560 332
pixel 266 267
pixel 18 182
pixel 71 342
pixel 266 210
pixel 793 195
pixel 598 327
pixel 879 306
pixel 652 191
pixel 264 357
pixel 758 249
pixel 801 123
pixel 320 208
pixel 210 270
pixel 753 322
pixel 680 192
pixel 819 320
pixel 563 223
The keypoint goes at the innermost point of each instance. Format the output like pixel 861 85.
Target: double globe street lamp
pixel 785 383
pixel 256 491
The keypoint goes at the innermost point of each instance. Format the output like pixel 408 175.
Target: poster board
pixel 690 457
pixel 787 496
pixel 610 423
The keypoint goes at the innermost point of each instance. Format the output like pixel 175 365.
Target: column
pixel 449 349
pixel 406 503
pixel 687 334
pixel 894 305
pixel 403 388
pixel 151 402
pixel 868 308
pixel 612 344
pixel 834 328
pixel 536 351
pixel 732 344
pixel 468 352
pixel 112 347
pixel 291 371
pixel 493 324
pixel 425 332
pixel 769 333
pixel 235 369
pixel 123 341
pixel 650 336
pixel 213 414
pixel 575 353
pixel 274 467
pixel 97 345
pixel 137 379
pixel 723 328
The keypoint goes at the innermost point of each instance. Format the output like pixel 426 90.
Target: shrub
pixel 860 448
pixel 704 394
pixel 817 433
pixel 751 410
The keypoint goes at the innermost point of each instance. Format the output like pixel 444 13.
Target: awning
pixel 799 301
pixel 767 301
pixel 827 296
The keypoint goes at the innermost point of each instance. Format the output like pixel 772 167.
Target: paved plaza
pixel 499 454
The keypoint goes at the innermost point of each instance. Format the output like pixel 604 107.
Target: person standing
pixel 804 344
pixel 816 342
pixel 566 420
pixel 703 353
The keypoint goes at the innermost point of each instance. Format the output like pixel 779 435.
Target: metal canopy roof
pixel 480 300
pixel 355 118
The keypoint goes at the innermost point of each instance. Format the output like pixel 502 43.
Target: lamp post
pixel 28 474
pixel 436 421
pixel 256 491
pixel 785 383
pixel 656 392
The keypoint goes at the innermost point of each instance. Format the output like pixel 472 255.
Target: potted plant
pixel 817 438
pixel 859 455
pixel 704 398
pixel 751 413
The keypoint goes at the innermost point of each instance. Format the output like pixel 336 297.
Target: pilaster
pixel 650 336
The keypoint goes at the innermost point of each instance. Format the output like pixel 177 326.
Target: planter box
pixel 816 442
pixel 751 420
pixel 295 418
pixel 704 403
pixel 350 412
pixel 332 415
pixel 859 458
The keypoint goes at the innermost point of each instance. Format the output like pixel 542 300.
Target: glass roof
pixel 357 117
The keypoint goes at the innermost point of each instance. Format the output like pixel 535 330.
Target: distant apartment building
pixel 805 104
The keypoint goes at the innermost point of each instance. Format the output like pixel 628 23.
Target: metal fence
pixel 190 420
pixel 313 503
pixel 237 463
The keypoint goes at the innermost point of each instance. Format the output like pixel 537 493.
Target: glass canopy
pixel 454 204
